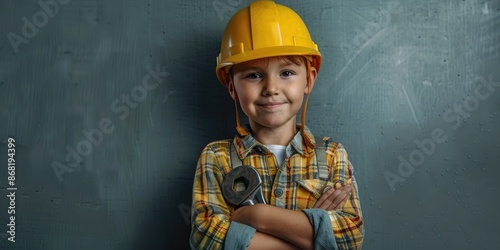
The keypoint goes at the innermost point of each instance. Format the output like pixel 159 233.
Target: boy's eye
pixel 253 76
pixel 287 73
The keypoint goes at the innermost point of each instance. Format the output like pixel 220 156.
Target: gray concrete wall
pixel 95 170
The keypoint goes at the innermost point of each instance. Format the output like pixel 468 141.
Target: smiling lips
pixel 271 105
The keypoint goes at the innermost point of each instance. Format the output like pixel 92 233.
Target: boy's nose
pixel 270 86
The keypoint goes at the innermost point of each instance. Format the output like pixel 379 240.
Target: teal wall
pixel 111 102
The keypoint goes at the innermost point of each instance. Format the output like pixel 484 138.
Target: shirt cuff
pixel 238 236
pixel 322 226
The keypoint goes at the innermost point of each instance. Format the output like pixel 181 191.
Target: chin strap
pixel 239 128
pixel 308 143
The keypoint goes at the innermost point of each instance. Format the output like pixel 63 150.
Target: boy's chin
pixel 274 124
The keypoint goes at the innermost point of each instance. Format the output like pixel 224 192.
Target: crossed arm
pixel 279 228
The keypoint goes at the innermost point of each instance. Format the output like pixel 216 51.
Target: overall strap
pixel 320 152
pixel 235 158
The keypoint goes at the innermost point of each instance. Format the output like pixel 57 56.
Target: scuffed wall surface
pixel 111 102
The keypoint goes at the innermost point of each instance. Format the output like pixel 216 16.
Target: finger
pixel 340 206
pixel 330 199
pixel 323 198
pixel 348 187
pixel 339 197
pixel 335 199
pixel 338 184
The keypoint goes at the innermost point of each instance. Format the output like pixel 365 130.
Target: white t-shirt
pixel 279 151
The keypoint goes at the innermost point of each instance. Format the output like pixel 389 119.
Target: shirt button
pixel 278 192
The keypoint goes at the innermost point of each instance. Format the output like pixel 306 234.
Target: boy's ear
pixel 231 88
pixel 312 74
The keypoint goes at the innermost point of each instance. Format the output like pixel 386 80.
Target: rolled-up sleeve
pixel 238 236
pixel 322 226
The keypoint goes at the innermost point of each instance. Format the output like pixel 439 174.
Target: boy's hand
pixel 334 198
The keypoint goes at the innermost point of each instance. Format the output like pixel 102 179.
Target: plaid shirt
pixel 296 185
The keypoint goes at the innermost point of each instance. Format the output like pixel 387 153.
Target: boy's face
pixel 271 90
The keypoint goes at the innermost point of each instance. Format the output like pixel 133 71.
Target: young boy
pixel 268 62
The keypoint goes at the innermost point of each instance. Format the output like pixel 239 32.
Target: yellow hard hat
pixel 264 29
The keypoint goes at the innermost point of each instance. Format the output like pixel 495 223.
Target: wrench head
pixel 239 184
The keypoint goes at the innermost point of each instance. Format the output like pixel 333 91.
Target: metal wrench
pixel 242 186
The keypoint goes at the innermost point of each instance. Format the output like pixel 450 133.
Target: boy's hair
pixel 297 60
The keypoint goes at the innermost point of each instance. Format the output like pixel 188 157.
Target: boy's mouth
pixel 271 105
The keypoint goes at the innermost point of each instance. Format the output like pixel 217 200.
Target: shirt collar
pixel 246 144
